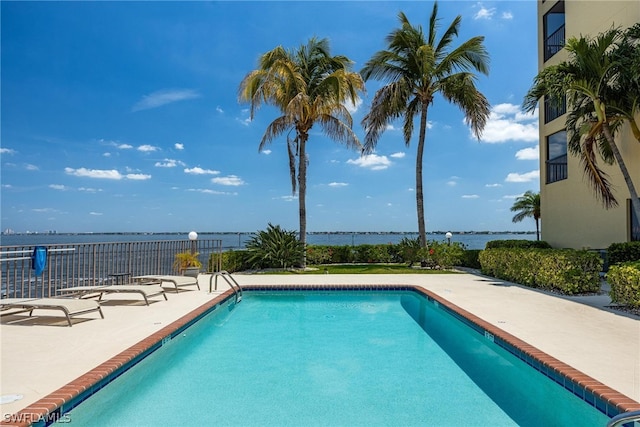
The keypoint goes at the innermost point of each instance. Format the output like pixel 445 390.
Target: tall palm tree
pixel 308 86
pixel 417 67
pixel 528 206
pixel 602 91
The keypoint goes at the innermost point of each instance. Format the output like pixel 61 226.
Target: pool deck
pixel 41 354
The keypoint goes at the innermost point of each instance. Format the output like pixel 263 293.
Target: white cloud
pixel 512 196
pixel 147 148
pixel 398 155
pixel 507 15
pixel 452 183
pixel 353 108
pixel 169 163
pixel 371 161
pixel 138 176
pixel 163 97
pixel 508 123
pixel 231 180
pixel 31 167
pixel 215 192
pixel 94 173
pixel 178 146
pixel 338 184
pixel 483 12
pixel 199 171
pixel 106 154
pixel 493 185
pixel 219 109
pixel 95 213
pixel 7 151
pixel 523 177
pixel 286 198
pixel 531 153
pixel 58 187
pixel 267 151
pixel 90 190
pixel 124 146
pixel 470 196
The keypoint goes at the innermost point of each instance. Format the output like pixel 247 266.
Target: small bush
pixel 623 252
pixel 470 259
pixel 446 255
pixel 232 261
pixel 275 248
pixel 317 255
pixel 625 283
pixel 518 243
pixel 564 270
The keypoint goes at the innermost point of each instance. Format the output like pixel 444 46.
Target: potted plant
pixel 187 264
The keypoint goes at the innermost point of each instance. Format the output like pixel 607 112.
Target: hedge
pixel 564 270
pixel 623 252
pixel 517 243
pixel 625 284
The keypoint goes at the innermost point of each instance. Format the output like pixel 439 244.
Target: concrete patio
pixel 41 353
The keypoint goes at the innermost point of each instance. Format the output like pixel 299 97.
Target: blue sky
pixel 120 116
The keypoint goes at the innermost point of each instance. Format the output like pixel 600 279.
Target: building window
pixel 557 157
pixel 553 23
pixel 635 223
pixel 552 110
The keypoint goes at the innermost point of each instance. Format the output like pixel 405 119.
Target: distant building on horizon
pixel 571 215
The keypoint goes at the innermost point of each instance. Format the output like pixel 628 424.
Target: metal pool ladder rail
pixel 627 418
pixel 237 290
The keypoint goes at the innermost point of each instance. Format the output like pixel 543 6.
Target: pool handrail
pixel 237 289
pixel 624 418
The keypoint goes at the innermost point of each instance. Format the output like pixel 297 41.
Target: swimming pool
pixel 334 358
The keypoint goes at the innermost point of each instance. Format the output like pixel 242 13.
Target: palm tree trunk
pixel 422 232
pixel 635 202
pixel 302 195
pixel 537 229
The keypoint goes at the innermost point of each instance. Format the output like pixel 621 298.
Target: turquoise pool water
pixel 341 358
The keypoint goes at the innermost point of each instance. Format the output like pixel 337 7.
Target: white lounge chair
pixel 178 281
pixel 147 291
pixel 69 306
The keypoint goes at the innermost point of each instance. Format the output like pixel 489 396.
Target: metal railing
pixel 554 43
pixel 82 264
pixel 629 419
pixel 557 169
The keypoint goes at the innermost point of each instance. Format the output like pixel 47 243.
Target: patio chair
pixel 69 306
pixel 177 281
pixel 147 291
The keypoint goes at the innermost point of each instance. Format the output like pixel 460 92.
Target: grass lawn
pixel 363 269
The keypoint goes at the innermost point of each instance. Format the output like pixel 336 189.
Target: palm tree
pixel 417 67
pixel 308 86
pixel 528 206
pixel 602 88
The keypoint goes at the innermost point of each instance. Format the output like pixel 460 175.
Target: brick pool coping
pixel 53 407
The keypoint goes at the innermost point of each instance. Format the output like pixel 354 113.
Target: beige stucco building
pixel 571 216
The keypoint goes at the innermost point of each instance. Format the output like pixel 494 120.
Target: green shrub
pixel 408 250
pixel 517 243
pixel 625 283
pixel 565 270
pixel 317 254
pixel 232 261
pixel 623 252
pixel 470 258
pixel 446 255
pixel 372 253
pixel 342 254
pixel 275 248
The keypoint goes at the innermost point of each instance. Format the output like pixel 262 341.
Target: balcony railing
pixel 557 169
pixel 554 43
pixel 82 264
pixel 552 110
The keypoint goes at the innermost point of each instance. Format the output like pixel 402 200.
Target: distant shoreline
pixel 149 233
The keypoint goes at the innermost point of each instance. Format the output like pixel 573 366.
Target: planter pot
pixel 191 271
